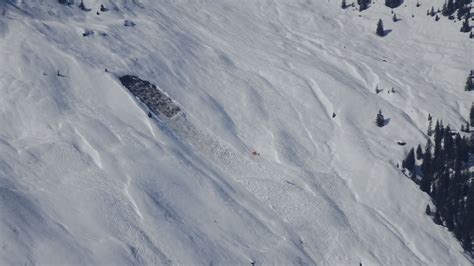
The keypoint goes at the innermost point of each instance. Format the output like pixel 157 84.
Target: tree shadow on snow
pixel 386 121
pixel 386 32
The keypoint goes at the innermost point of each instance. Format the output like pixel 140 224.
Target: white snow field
pixel 87 178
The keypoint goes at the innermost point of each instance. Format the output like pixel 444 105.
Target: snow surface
pixel 87 178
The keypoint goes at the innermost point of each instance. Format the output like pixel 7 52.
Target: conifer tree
pixel 428 210
pixel 380 120
pixel 464 149
pixel 413 176
pixel 430 126
pixel 83 7
pixel 468 222
pixel 363 4
pixel 470 142
pixel 437 218
pixel 428 149
pixel 438 136
pixel 103 8
pixel 392 3
pixel 427 169
pixel 450 6
pixel 343 4
pixel 465 25
pixel 410 160
pixel 469 85
pixel 471 115
pixel 467 243
pixel 449 144
pixel 380 31
pixel 449 216
pixel 394 18
pixel 419 152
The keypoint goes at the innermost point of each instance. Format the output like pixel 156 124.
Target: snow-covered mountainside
pixel 87 177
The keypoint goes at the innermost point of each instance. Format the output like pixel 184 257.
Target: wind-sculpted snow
pixel 277 161
pixel 151 96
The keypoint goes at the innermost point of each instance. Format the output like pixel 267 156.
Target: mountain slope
pixel 87 177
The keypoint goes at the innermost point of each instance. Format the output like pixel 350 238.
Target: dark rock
pixel 129 23
pixel 87 33
pixel 83 7
pixel 103 8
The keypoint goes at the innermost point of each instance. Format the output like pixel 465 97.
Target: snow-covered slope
pixel 86 177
